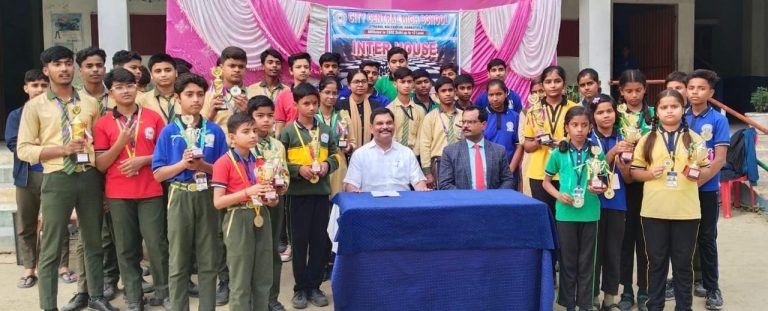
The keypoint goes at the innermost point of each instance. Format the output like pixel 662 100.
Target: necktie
pixel 102 106
pixel 479 173
pixel 451 133
pixel 171 108
pixel 406 128
pixel 69 165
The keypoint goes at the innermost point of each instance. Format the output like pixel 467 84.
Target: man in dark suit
pixel 474 162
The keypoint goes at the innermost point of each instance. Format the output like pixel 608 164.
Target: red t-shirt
pixel 285 110
pixel 225 175
pixel 106 132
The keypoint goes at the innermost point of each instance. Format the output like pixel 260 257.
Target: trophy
pixel 314 149
pixel 697 152
pixel 595 168
pixel 279 181
pixel 78 132
pixel 218 84
pixel 191 136
pixel 265 174
pixel 536 115
pixel 629 130
pixel 343 129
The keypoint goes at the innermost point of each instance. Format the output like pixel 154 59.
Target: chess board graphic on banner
pixel 430 38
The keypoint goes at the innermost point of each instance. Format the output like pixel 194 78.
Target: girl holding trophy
pixel 338 121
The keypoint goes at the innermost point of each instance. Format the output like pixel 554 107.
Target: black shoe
pixel 135 306
pixel 699 290
pixel 144 270
pixel 669 292
pixel 627 301
pixel 222 293
pixel 110 291
pixel 317 298
pixel 79 301
pixel 714 300
pixel 146 287
pixel 276 306
pixel 100 304
pixel 282 246
pixel 641 301
pixel 192 289
pixel 299 300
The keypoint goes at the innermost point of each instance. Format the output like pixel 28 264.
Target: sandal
pixel 68 277
pixel 27 281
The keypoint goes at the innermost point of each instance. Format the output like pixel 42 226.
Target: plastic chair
pixel 726 194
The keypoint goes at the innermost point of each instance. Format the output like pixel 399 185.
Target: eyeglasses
pixel 361 82
pixel 124 88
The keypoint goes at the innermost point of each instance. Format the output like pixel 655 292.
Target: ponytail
pixel 686 133
pixel 650 140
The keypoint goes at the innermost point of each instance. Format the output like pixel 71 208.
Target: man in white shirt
pixel 383 164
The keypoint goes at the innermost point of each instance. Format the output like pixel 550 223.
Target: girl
pixel 537 88
pixel 612 203
pixel 338 122
pixel 670 210
pixel 589 85
pixel 632 86
pixel 578 210
pixel 358 107
pixel 501 127
pixel 547 122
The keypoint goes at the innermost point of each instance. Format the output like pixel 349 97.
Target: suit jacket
pixel 456 173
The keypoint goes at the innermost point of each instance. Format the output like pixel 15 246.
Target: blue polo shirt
pixel 170 148
pixel 502 129
pixel 717 124
pixel 514 101
pixel 619 201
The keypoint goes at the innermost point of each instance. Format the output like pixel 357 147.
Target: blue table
pixel 444 250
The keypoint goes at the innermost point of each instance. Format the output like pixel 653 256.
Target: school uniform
pixel 515 103
pixel 670 216
pixel 261 88
pixel 408 119
pixel 386 86
pixel 428 106
pixel 222 116
pixel 337 177
pixel 166 106
pixel 576 226
pixel 438 130
pixel 136 203
pixel 502 128
pixel 192 219
pixel 285 110
pixel 359 118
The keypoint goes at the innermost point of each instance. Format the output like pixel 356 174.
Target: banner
pixel 430 38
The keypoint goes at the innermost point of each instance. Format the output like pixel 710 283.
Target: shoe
pixel 100 304
pixel 286 255
pixel 192 289
pixel 627 301
pixel 146 287
pixel 144 270
pixel 135 306
pixel 276 306
pixel 79 301
pixel 110 291
pixel 613 307
pixel 328 272
pixel 157 301
pixel 714 300
pixel 641 300
pixel 282 246
pixel 299 300
pixel 669 292
pixel 699 290
pixel 317 298
pixel 222 293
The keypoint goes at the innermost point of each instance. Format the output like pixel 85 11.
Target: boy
pixel 422 86
pixel 271 86
pixel 329 66
pixel 676 81
pixel 234 98
pixel 162 67
pixel 46 136
pixel 449 70
pixel 497 69
pixel 299 65
pixel 124 142
pixel 91 63
pixel 247 224
pixel 463 85
pixel 397 57
pixel 308 196
pixel 145 80
pixel 713 128
pixel 192 220
pixel 408 116
pixel 262 110
pixel 129 60
pixel 440 128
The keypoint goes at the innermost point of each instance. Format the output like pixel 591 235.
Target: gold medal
pixel 76 110
pixel 706 135
pixel 315 179
pixel 668 163
pixel 609 194
pixel 258 221
pixel 596 150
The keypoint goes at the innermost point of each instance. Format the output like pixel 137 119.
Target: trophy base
pixel 627 157
pixel 691 172
pixel 271 196
pixel 545 139
pixel 197 153
pixel 343 143
pixel 82 158
pixel 597 184
pixel 279 183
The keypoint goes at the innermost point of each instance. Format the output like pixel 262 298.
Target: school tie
pixel 102 106
pixel 171 107
pixel 406 129
pixel 451 133
pixel 479 173
pixel 69 166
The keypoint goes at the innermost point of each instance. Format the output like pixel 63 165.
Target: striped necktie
pixel 69 165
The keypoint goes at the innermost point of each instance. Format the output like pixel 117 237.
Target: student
pixel 234 96
pixel 124 142
pixel 670 205
pixel 422 85
pixel 359 107
pixel 262 110
pixel 330 117
pixel 589 85
pixel 45 136
pixel 713 128
pixel 449 70
pixel 28 181
pixel 299 65
pixel 578 210
pixel 90 61
pixel 552 115
pixel 676 80
pixel 463 84
pixel 329 67
pixel 128 60
pixel 192 220
pixel 397 58
pixel 371 70
pixel 408 116
pixel 497 69
pixel 613 203
pixel 271 86
pixel 247 225
pixel 161 100
pixel 632 87
pixel 441 127
pixel 145 80
pixel 536 88
pixel 501 127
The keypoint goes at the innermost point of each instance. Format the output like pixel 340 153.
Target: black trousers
pixel 311 247
pixel 707 240
pixel 577 263
pixel 538 193
pixel 610 235
pixel 633 244
pixel 665 240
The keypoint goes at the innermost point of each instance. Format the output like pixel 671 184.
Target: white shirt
pixel 375 169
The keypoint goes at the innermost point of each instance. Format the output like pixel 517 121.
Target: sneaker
pixel 669 292
pixel 222 293
pixel 100 304
pixel 146 287
pixel 299 300
pixel 613 307
pixel 276 306
pixel 317 298
pixel 699 290
pixel 192 289
pixel 627 301
pixel 110 291
pixel 286 255
pixel 714 300
pixel 79 301
pixel 641 300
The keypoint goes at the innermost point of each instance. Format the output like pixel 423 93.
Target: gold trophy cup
pixel 344 129
pixel 629 130
pixel 536 115
pixel 78 132
pixel 697 152
pixel 314 148
pixel 191 135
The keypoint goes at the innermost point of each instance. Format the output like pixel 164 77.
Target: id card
pixel 615 182
pixel 672 179
pixel 201 181
pixel 578 197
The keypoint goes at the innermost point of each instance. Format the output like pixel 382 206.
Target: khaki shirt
pixel 158 103
pixel 222 116
pixel 417 116
pixel 260 88
pixel 41 119
pixel 101 99
pixel 433 135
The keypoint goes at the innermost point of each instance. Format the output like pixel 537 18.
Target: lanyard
pixel 301 139
pixel 248 166
pixel 171 107
pixel 670 140
pixel 445 128
pixel 577 166
pixel 261 153
pixel 131 151
pixel 606 146
pixel 553 122
pixel 202 132
pixel 408 112
pixel 499 114
pixel 334 118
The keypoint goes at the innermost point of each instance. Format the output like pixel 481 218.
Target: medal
pixel 609 194
pixel 235 90
pixel 578 197
pixel 668 163
pixel 76 110
pixel 258 221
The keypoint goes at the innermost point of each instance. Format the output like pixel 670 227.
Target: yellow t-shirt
pixel 556 117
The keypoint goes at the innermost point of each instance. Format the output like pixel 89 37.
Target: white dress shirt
pixel 375 169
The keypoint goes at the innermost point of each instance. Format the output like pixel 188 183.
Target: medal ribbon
pixel 248 166
pixel 301 139
pixel 131 151
pixel 578 167
pixel 670 140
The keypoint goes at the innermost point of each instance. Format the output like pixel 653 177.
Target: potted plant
pixel 759 101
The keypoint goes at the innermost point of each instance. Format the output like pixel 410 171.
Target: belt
pixel 186 186
pixel 243 206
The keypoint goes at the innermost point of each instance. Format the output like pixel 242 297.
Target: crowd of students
pixel 206 178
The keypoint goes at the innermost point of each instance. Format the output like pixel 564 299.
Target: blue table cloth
pixel 444 250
